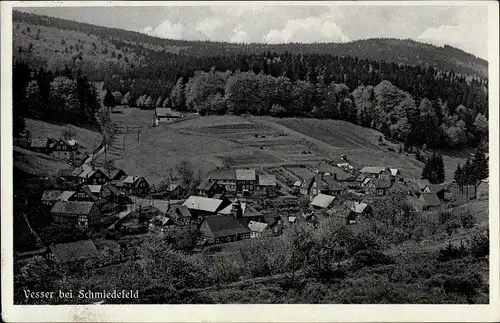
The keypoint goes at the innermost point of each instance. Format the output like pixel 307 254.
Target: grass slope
pixel 204 140
pixel 41 129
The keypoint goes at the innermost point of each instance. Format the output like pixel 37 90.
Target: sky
pixel 464 27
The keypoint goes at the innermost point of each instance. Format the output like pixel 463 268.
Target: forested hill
pixel 389 50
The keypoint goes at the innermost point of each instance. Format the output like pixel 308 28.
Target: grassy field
pixel 87 138
pixel 255 142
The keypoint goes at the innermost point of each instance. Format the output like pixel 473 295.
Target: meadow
pixel 256 142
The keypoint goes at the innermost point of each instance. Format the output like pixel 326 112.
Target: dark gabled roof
pixel 430 199
pixel 333 169
pixel 110 188
pixel 179 211
pixel 112 172
pixel 436 188
pixel 73 251
pixel 332 183
pixel 223 225
pixel 72 207
pixel 89 192
pixel 223 174
pixel 206 185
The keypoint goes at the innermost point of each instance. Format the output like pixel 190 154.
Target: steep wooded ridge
pixel 389 50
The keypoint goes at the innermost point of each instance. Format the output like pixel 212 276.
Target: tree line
pixel 63 96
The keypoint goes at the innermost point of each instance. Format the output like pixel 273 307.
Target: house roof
pixel 108 187
pixel 361 178
pixel 334 169
pixel 88 191
pixel 267 180
pixel 332 183
pixel 202 203
pixel 422 183
pixel 73 251
pixel 345 166
pixel 179 211
pixel 430 199
pixel 435 188
pixel 297 183
pixel 372 169
pixel 96 189
pixel 72 207
pixel 322 200
pixel 359 207
pixel 166 112
pixel 245 175
pixel 223 225
pixel 55 195
pixel 161 205
pixel 206 185
pixel 172 187
pixel 38 143
pixel 223 174
pixel 255 226
pixel 112 172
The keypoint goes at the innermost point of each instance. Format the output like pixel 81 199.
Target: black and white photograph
pixel 250 153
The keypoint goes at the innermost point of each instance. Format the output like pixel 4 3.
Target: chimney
pixel 236 210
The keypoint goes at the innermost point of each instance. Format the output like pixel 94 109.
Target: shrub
pixel 451 252
pixel 480 245
pixel 467 220
pixel 371 258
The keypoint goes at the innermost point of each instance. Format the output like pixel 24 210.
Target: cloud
pixel 240 35
pixel 210 27
pixel 307 30
pixel 166 29
pixel 462 36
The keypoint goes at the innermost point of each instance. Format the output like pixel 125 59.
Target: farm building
pixel 165 115
pixel 51 197
pixel 378 186
pixel 173 190
pixel 222 228
pixel 258 229
pixel 226 178
pixel 208 188
pixel 322 201
pixel 396 175
pixel 71 253
pixel 332 170
pixel 246 180
pixel 83 214
pixel 359 208
pixel 267 184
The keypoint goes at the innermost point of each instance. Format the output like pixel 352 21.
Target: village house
pixel 248 212
pixel 324 184
pixel 378 186
pixel 358 209
pixel 322 201
pixel 181 215
pixel 417 187
pixel 220 229
pixel 396 175
pixel 376 172
pixel 267 184
pixel 66 149
pixel 259 229
pixel 208 188
pixel 114 174
pixel 274 222
pixel 165 115
pixel 173 190
pixel 226 178
pixel 51 197
pixel 246 180
pixel 84 193
pixel 438 189
pixel 338 173
pixel 83 214
pixel 428 201
pixel 89 175
pixel 133 185
pixel 71 253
